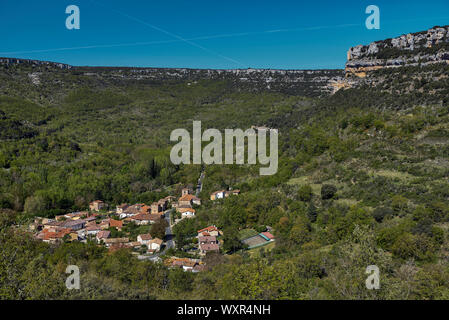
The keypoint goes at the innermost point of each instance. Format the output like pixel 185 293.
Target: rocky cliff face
pixel 302 82
pixel 413 49
pixel 33 63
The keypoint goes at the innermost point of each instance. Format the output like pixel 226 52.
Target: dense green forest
pixel 362 180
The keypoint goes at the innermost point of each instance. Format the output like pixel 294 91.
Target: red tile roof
pixel 208 229
pixel 55 235
pixel 268 235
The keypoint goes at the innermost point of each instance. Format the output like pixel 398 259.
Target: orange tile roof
pixel 56 235
pixel 157 241
pixel 188 197
pixel 145 209
pixel 208 229
pixel 115 223
pixel 182 262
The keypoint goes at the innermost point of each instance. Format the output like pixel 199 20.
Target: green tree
pixel 231 242
pixel 312 212
pixel 305 193
pixel 158 229
pixel 328 191
pixel 34 204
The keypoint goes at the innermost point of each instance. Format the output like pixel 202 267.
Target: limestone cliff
pixel 33 63
pixel 413 49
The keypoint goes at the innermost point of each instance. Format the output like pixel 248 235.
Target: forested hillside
pixel 362 180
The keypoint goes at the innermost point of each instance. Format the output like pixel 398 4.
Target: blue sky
pixel 206 34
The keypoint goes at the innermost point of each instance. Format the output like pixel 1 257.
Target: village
pixel 128 226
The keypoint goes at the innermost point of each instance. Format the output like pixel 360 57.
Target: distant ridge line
pixel 12 60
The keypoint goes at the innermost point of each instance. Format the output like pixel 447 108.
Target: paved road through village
pixel 169 243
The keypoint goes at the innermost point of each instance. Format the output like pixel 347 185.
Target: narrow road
pixel 168 232
pixel 199 186
pixel 169 242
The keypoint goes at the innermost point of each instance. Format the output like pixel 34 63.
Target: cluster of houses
pixel 73 226
pixel 185 203
pixel 93 225
pixel 208 240
pixel 143 214
pixel 81 226
pixel 98 224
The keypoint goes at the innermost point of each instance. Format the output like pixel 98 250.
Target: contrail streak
pixel 208 37
pixel 217 36
pixel 172 35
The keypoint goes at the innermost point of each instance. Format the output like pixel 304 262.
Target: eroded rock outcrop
pixel 33 63
pixel 413 49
